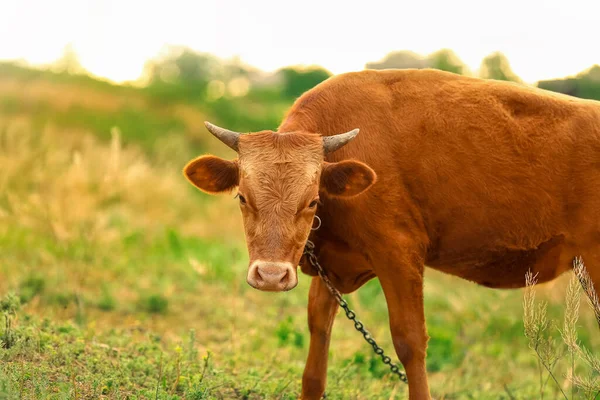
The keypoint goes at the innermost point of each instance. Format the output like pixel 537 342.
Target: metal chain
pixel 309 251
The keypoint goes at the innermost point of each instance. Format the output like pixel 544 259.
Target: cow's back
pixel 472 166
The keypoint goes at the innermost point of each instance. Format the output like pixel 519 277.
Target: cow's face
pixel 279 178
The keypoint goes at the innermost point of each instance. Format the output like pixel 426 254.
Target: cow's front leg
pixel 401 275
pixel 322 307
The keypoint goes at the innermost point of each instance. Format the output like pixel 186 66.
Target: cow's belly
pixel 507 269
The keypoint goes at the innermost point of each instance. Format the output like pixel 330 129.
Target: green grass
pixel 131 284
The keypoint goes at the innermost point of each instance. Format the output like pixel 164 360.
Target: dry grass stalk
pixel 548 352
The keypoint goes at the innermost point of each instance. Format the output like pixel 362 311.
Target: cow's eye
pixel 313 203
pixel 242 199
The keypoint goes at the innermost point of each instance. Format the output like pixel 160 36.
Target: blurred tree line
pixel 494 66
pixel 238 95
pixel 585 84
pixel 184 74
pixel 246 98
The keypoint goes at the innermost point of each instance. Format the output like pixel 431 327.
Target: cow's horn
pixel 230 138
pixel 332 143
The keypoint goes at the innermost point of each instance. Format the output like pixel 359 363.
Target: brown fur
pixel 279 178
pixel 346 178
pixel 212 174
pixel 480 179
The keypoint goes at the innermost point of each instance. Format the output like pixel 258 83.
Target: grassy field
pixel 119 280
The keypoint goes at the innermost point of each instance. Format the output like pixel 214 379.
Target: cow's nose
pixel 272 276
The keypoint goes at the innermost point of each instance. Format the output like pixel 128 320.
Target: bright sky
pixel 542 38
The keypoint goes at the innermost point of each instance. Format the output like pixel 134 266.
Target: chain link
pixel 309 251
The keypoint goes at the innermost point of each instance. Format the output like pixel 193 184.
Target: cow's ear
pixel 346 178
pixel 212 174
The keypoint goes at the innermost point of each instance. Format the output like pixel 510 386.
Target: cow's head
pixel 279 177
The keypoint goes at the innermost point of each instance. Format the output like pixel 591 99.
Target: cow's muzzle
pixel 272 276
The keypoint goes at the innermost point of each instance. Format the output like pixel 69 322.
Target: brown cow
pixel 481 179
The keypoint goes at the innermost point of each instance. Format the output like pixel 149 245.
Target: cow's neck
pixel 340 253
